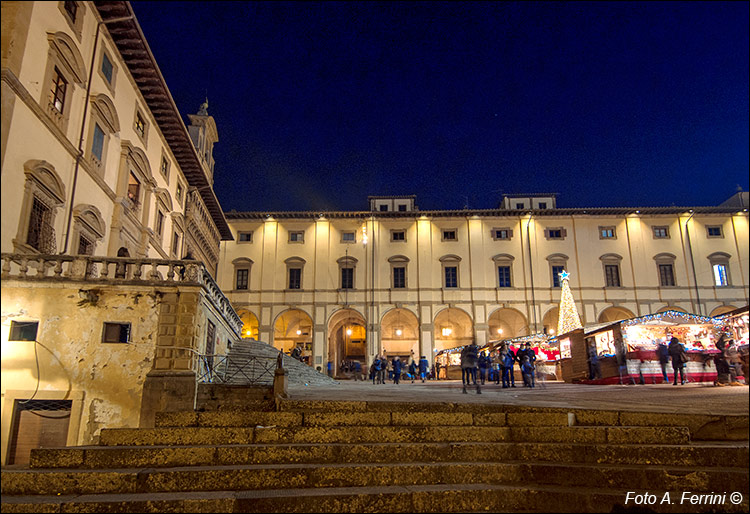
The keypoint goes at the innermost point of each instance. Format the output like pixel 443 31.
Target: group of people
pixel 380 368
pixel 472 361
pixel 727 361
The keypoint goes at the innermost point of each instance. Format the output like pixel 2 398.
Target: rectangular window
pixel 116 333
pixel 666 275
pixel 556 270
pixel 297 237
pixel 23 330
pixel 449 235
pixel 720 275
pixel 97 147
pixel 175 244
pixel 347 278
pixel 402 208
pixel 503 276
pixel 178 193
pixel 399 278
pixel 398 235
pixel 245 237
pixel 71 8
pixel 383 208
pixel 661 232
pixel 519 206
pixel 59 85
pixel 140 125
pixel 39 225
pixel 295 278
pixel 85 247
pixel 451 276
pixel 554 233
pixel 164 167
pixel 612 275
pixel 134 190
pixel 542 205
pixel 606 232
pixel 714 231
pixel 159 222
pixel 347 237
pixel 242 278
pixel 107 67
pixel 501 233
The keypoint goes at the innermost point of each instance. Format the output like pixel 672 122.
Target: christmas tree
pixel 568 314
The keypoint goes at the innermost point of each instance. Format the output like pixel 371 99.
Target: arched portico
pixel 453 327
pixel 506 324
pixel 347 338
pixel 399 331
pixel 614 314
pixel 293 328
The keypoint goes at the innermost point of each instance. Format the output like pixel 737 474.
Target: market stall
pixel 736 322
pixel 627 349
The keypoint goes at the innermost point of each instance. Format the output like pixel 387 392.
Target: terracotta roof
pixel 132 45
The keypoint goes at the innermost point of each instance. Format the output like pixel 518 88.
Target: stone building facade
pixel 400 281
pixel 110 227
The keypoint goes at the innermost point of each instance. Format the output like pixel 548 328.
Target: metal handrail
pixel 224 369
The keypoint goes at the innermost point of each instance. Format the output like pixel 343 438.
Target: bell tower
pixel 203 132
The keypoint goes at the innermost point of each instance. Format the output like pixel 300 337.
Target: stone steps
pixel 429 498
pixel 103 457
pixel 391 434
pixel 316 475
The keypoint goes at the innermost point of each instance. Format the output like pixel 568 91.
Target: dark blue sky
pixel 319 105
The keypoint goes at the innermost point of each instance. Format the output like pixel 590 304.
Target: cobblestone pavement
pixel 696 398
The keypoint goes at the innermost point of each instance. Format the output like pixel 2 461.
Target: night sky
pixel 319 105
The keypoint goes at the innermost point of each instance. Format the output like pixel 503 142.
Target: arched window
pixel 665 269
pixel 399 264
pixel 504 266
pixel 720 268
pixel 88 229
pixel 242 266
pixel 450 271
pixel 294 267
pixel 611 268
pixel 44 193
pixel 558 262
pixel 347 266
pixel 104 123
pixel 65 70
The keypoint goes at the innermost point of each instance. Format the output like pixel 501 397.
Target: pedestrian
pixel 594 369
pixel 663 353
pixel 469 358
pixel 330 369
pixel 734 361
pixel 484 363
pixel 412 370
pixel 357 370
pixel 679 359
pixel 396 366
pixel 423 366
pixel 496 366
pixel 512 352
pixel 375 370
pixel 382 369
pixel 527 371
pixel 506 361
pixel 437 371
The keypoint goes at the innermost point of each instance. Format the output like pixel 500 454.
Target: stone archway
pixel 399 331
pixel 614 314
pixel 249 323
pixel 718 311
pixel 347 338
pixel 549 322
pixel 453 327
pixel 506 324
pixel 293 328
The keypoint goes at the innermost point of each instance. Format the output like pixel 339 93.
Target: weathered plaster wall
pixel 71 355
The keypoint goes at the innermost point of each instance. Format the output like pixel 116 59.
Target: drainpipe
pixel 83 126
pixel 692 262
pixel 531 273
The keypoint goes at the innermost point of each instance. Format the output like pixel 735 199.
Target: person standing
pixel 375 370
pixel 662 351
pixel 396 367
pixel 679 359
pixel 437 370
pixel 413 370
pixel 506 361
pixel 469 358
pixel 484 365
pixel 594 369
pixel 423 366
pixel 512 352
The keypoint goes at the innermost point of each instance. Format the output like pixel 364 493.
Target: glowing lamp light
pixel 399 332
pixel 447 331
pixel 348 331
pixel 299 332
pixel 551 331
pixel 499 330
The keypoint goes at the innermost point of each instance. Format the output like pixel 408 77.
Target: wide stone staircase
pixel 255 361
pixel 360 456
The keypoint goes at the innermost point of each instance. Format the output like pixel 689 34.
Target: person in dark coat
pixel 512 352
pixel 375 370
pixel 506 361
pixel 396 365
pixel 469 358
pixel 595 371
pixel 424 365
pixel 679 359
pixel 663 353
pixel 484 363
pixel 413 370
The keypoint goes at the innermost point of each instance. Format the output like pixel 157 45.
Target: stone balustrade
pixel 119 271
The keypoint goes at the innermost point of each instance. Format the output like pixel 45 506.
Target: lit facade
pixel 416 282
pixel 110 228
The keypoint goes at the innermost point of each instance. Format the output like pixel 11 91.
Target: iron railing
pixel 234 370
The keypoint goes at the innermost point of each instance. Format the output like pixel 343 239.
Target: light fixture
pixel 399 332
pixel 499 330
pixel 447 331
pixel 348 331
pixel 299 332
pixel 551 331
